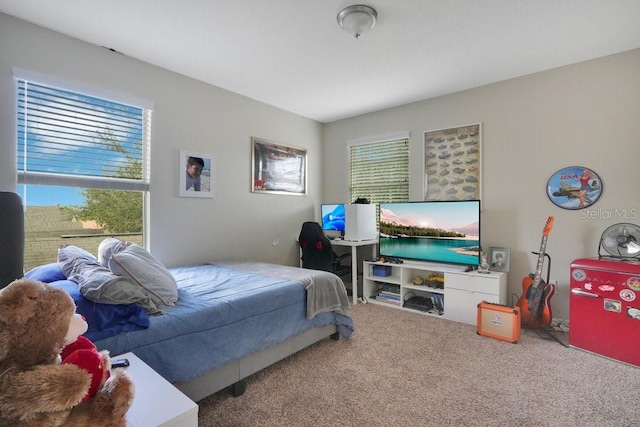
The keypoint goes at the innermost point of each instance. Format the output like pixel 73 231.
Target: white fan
pixel 621 241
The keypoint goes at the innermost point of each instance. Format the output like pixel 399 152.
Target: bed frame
pixel 234 373
pixel 11 238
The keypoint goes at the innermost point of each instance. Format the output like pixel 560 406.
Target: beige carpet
pixel 406 369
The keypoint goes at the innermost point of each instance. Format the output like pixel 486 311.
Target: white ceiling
pixel 293 55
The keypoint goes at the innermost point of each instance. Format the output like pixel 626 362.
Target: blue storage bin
pixel 382 270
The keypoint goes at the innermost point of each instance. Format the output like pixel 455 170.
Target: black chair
pixel 317 252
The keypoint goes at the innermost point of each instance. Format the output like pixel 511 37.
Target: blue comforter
pixel 222 314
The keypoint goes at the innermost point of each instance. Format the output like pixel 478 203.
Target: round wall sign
pixel 575 187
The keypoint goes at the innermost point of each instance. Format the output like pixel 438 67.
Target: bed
pixel 228 321
pixel 231 321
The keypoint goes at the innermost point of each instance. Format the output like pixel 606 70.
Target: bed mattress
pixel 222 314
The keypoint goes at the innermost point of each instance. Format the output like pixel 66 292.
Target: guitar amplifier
pixel 499 321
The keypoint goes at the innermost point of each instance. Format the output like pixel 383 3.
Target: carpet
pixel 406 369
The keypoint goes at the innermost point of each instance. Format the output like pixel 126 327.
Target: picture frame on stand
pixel 499 259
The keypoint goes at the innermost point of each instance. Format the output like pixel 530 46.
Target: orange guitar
pixel 536 294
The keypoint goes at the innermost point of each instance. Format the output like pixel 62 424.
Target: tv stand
pixel 458 291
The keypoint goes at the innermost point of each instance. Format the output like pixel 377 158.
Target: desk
pixel 355 244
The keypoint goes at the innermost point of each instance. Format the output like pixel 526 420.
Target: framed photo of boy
pixel 197 174
pixel 499 259
pixel 277 168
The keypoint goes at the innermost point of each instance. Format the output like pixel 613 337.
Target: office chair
pixel 317 252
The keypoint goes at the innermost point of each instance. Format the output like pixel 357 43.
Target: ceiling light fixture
pixel 357 19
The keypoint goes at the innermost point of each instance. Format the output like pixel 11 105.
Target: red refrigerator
pixel 604 308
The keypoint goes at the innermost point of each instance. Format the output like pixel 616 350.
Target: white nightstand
pixel 156 401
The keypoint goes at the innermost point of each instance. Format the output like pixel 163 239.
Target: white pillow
pixel 98 284
pixel 108 247
pixel 135 262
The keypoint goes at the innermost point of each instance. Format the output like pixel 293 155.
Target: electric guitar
pixel 534 305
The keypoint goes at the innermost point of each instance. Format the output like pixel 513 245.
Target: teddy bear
pixel 35 388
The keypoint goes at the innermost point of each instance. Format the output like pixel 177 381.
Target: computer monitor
pixel 333 217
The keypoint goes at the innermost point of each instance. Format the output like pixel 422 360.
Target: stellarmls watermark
pixel 622 213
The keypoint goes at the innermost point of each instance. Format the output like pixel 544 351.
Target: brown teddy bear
pixel 35 388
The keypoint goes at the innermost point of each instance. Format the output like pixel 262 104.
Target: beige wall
pixel 586 114
pixel 187 114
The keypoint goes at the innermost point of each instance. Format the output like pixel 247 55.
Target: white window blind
pixel 379 171
pixel 71 139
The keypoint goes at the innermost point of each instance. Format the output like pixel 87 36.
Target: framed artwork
pixel 278 168
pixel 452 163
pixel 197 174
pixel 499 259
pixel 575 187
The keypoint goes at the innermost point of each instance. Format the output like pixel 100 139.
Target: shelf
pixel 461 293
pixel 399 307
pixel 423 288
pixel 384 279
pixel 382 302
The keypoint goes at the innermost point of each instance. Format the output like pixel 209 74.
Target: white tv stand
pixel 462 291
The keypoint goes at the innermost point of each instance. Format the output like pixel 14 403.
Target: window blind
pixel 71 139
pixel 379 171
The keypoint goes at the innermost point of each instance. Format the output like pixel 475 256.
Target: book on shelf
pixel 389 288
pixel 389 295
pixel 385 300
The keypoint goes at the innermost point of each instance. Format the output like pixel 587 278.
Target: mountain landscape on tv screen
pixel 389 217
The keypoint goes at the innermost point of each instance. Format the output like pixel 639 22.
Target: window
pixel 379 171
pixel 83 168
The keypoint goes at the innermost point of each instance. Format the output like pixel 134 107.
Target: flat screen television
pixel 439 231
pixel 333 217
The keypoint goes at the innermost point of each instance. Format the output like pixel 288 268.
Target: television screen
pixel 333 217
pixel 447 231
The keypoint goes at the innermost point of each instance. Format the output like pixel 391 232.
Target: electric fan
pixel 621 241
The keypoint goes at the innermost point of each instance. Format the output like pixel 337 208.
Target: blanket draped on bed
pixel 325 291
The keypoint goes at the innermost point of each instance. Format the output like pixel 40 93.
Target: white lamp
pixel 357 19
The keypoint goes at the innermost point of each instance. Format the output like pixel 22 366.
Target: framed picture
pixel 575 187
pixel 278 168
pixel 452 163
pixel 197 174
pixel 499 259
